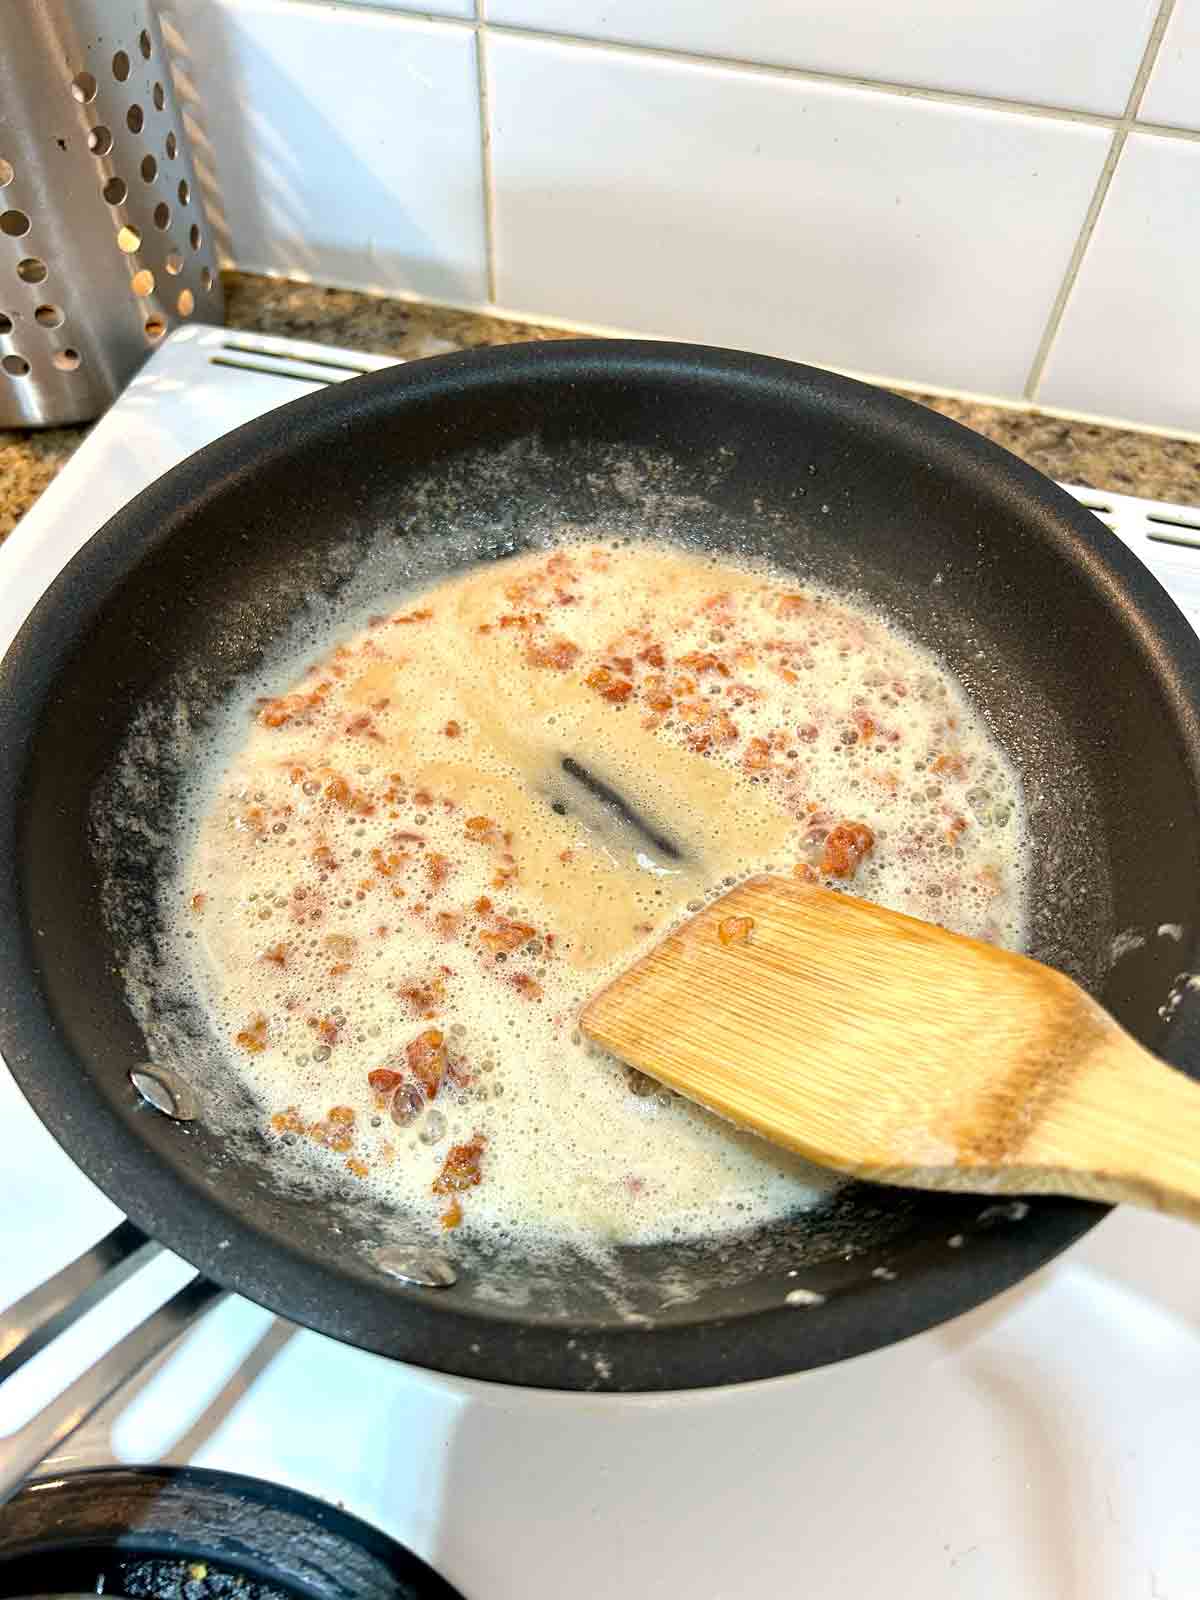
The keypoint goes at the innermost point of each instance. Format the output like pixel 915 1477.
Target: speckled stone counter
pixel 1152 465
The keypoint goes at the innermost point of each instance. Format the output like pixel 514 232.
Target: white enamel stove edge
pixel 1045 1447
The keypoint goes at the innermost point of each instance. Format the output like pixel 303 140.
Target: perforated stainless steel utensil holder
pixel 104 242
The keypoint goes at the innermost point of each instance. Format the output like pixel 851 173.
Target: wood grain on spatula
pixel 893 1050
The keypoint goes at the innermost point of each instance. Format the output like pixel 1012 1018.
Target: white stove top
pixel 1045 1447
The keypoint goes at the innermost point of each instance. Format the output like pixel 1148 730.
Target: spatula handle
pixel 1129 1130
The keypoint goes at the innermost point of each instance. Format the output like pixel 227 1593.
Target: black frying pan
pixel 1085 670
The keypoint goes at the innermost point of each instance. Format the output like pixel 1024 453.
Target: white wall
pixel 998 196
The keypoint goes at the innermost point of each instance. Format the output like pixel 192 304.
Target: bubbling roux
pixel 448 833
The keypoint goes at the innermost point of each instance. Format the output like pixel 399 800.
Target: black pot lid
pixel 188 1533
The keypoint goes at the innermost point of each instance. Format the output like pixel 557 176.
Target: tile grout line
pixel 1037 370
pixel 771 69
pixel 487 179
pixel 883 86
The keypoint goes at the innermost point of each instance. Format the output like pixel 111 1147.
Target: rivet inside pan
pixel 417 1264
pixel 165 1092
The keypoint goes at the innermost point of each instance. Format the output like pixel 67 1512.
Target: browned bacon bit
pixel 757 755
pixel 447 924
pixel 704 661
pixel 426 1058
pixel 199 901
pixel 951 765
pixel 324 858
pixel 291 708
pixel 482 906
pixel 254 818
pixel 864 722
pixel 453 1215
pixel 804 872
pixel 359 724
pixel 482 830
pixel 328 1031
pixel 438 867
pixel 358 1168
pixel 617 690
pixel 288 1121
pixel 504 874
pixel 506 935
pixel 452 729
pixel 336 1131
pixel 559 653
pixel 657 694
pixel 734 930
pixel 425 998
pixel 527 987
pixel 793 605
pixel 845 847
pixel 253 1036
pixel 340 792
pixel 383 1079
pixel 423 615
pixel 522 589
pixel 653 656
pixel 955 828
pixel 387 865
pixel 715 727
pixel 341 945
pixel 460 1170
pixel 277 954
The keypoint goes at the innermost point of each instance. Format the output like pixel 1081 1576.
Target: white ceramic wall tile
pixel 1077 53
pixel 879 233
pixel 1173 94
pixel 346 143
pixel 1129 344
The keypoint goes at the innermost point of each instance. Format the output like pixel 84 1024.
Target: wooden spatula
pixel 889 1049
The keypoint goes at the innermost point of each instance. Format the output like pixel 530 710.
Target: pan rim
pixel 243 1257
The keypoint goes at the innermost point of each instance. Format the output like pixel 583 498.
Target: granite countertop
pixel 1118 459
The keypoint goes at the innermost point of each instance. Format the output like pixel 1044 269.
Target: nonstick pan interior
pixel 1085 671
